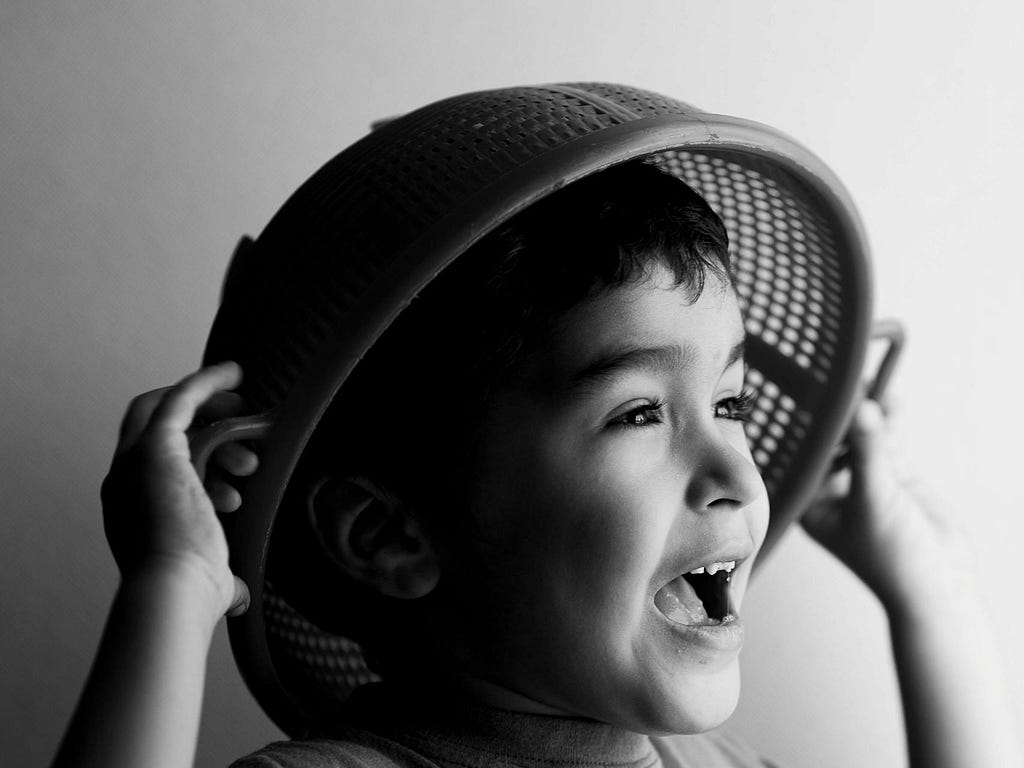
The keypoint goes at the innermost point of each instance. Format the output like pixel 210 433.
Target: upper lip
pixel 732 550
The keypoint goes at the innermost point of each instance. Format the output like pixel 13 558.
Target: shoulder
pixel 715 749
pixel 365 752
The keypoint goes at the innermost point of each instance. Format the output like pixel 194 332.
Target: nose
pixel 722 472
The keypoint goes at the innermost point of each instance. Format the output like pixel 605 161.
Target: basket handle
pixel 892 333
pixel 203 443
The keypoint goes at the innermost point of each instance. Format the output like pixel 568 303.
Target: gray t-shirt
pixel 385 731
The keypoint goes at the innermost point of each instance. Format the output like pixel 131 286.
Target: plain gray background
pixel 139 140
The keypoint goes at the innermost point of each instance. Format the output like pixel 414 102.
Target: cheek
pixel 613 509
pixel 579 523
pixel 757 520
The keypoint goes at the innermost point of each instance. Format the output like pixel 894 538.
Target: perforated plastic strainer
pixel 352 247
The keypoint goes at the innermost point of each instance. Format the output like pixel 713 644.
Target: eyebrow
pixel 611 365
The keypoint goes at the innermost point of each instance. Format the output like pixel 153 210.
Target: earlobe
pixel 373 537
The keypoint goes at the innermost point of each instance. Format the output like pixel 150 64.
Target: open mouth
pixel 700 597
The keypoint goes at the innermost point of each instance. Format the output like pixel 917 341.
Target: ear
pixel 373 537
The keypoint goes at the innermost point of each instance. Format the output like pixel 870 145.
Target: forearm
pixel 951 681
pixel 141 705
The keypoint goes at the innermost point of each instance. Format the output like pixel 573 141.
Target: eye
pixel 644 416
pixel 736 408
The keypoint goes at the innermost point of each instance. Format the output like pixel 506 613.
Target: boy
pixel 566 495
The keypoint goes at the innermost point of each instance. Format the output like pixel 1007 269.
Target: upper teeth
pixel 713 568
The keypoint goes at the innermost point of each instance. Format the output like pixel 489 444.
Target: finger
pixel 178 408
pixel 822 519
pixel 868 422
pixel 868 448
pixel 892 405
pixel 235 459
pixel 137 417
pixel 220 405
pixel 836 485
pixel 223 496
pixel 240 601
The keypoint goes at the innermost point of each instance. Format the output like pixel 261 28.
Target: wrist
pixel 176 582
pixel 943 599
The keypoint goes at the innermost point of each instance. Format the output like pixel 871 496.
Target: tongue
pixel 680 603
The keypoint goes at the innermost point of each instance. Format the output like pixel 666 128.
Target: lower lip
pixel 726 637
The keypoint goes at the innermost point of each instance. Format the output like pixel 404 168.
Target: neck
pixel 483 720
pixel 476 690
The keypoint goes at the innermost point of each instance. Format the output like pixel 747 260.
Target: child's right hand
pixel 159 518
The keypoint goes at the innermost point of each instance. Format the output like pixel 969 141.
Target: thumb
pixel 240 600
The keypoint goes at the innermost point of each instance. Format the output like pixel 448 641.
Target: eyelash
pixel 629 420
pixel 738 408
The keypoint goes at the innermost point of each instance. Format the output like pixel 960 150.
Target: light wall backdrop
pixel 139 140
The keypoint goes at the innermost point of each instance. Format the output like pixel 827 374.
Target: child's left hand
pixel 882 524
pixel 902 545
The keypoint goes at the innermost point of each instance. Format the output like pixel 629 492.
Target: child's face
pixel 610 471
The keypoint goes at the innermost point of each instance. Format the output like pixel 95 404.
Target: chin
pixel 697 704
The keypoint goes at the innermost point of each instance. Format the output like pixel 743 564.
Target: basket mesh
pixel 393 185
pixel 324 667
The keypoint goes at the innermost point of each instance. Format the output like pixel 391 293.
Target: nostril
pixel 726 478
pixel 724 503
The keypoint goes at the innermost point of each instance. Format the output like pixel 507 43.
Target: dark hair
pixel 408 416
pixel 469 330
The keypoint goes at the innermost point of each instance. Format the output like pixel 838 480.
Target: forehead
pixel 648 314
